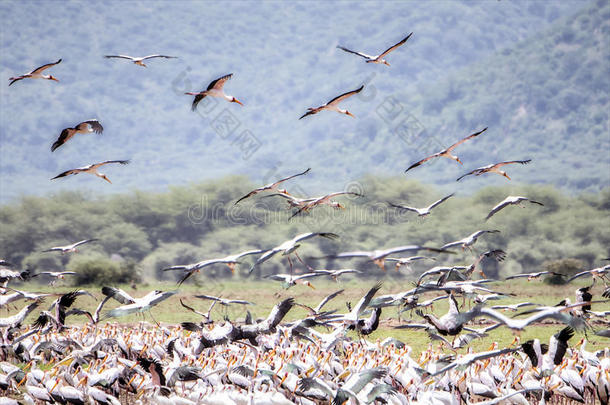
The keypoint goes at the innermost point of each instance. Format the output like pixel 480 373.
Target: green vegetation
pixel 140 233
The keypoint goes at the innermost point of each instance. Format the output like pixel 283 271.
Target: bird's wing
pixel 402 207
pixel 250 194
pixel 517 276
pixel 120 56
pixel 343 96
pixel 118 294
pixel 159 56
pixel 15 79
pixel 94 124
pixel 270 253
pixel 64 137
pixel 414 165
pixel 510 162
pixel 326 299
pixel 497 208
pixel 82 242
pixel 220 82
pixel 96 165
pixel 364 301
pixel 43 67
pixel 582 273
pixel 442 200
pixel 161 297
pixel 196 101
pixel 243 302
pixel 290 177
pixel 535 202
pixel 390 49
pixel 350 254
pixel 468 174
pixel 247 253
pixel 307 275
pixel 461 141
pixel 310 112
pixel 452 244
pixel 306 236
pixel 364 55
pixel 356 384
pixel 67 173
pixel 207 297
pixel 309 383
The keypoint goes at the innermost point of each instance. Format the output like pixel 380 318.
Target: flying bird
pixel 333 105
pixel 447 152
pixel 291 246
pixel 36 74
pixel 377 58
pixel 69 248
pixel 494 168
pixel 82 128
pixel 140 60
pixel 289 280
pixel 532 276
pixel 378 256
pixel 56 275
pixel 135 305
pixel 422 212
pixel 468 241
pixel 214 90
pixel 91 169
pixel 223 301
pixel 326 199
pixel 406 261
pixel 272 186
pixel 510 200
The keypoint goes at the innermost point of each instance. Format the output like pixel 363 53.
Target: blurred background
pixel 537 73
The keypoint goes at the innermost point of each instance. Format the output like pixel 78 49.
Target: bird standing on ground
pixel 377 58
pixel 36 74
pixel 215 89
pixel 333 105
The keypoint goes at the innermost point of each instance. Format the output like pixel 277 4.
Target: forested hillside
pixel 145 232
pixel 536 73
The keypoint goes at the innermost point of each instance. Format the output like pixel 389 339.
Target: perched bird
pixel 422 212
pixel 272 186
pixel 139 60
pixel 333 105
pixel 514 200
pixel 290 246
pixel 69 248
pixel 468 241
pixel 447 152
pixel 214 90
pixel 494 168
pixel 82 128
pixel 91 169
pixel 377 58
pixel 36 74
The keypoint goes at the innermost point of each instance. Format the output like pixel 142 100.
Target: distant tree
pixel 567 267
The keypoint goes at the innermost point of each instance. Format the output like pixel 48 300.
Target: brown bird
pixel 82 128
pixel 447 152
pixel 36 74
pixel 494 168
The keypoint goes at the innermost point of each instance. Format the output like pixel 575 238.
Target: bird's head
pixel 283 191
pixel 457 159
pixel 349 113
pixel 234 100
pixel 308 284
pixel 140 63
pixel 505 175
pixel 53 78
pixel 337 205
pixel 385 62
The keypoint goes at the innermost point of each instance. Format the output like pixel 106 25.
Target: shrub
pixel 567 267
pixel 102 270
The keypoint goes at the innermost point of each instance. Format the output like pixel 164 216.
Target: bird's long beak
pixel 350 114
pixel 310 286
pixel 237 101
pixel 386 63
pixel 53 78
pixel 506 175
pixel 459 161
pixel 107 179
pixel 55 386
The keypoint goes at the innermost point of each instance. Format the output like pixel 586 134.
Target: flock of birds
pixel 314 359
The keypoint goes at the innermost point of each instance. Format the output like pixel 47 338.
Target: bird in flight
pixel 69 248
pixel 272 186
pixel 36 74
pixel 333 105
pixel 468 241
pixel 422 212
pixel 510 200
pixel 447 152
pixel 377 58
pixel 82 128
pixel 91 169
pixel 494 168
pixel 378 256
pixel 214 90
pixel 326 199
pixel 139 60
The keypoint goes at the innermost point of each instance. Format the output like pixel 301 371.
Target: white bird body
pixel 139 60
pixel 215 89
pixel 422 212
pixel 379 59
pixel 67 249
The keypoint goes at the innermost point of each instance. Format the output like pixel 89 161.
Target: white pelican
pixel 272 186
pixel 290 246
pixel 447 152
pixel 468 241
pixel 333 104
pixel 377 58
pixel 140 60
pixel 82 128
pixel 36 74
pixel 422 212
pixel 214 90
pixel 514 200
pixel 69 248
pixel 494 168
pixel 91 169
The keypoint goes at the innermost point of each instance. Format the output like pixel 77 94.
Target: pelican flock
pixel 325 356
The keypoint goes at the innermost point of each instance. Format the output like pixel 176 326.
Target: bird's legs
pixel 153 318
pixel 301 260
